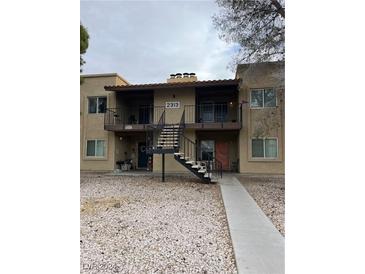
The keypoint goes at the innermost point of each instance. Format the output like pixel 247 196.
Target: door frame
pixel 201 151
pixel 137 164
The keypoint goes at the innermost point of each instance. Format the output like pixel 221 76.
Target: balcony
pixel 211 116
pixel 205 116
pixel 132 119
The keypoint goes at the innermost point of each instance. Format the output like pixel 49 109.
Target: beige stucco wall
pixel 264 75
pixel 92 125
pixel 186 96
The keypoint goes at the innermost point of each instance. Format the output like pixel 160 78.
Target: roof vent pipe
pixel 178 75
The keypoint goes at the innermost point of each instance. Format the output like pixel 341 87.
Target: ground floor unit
pixel 127 151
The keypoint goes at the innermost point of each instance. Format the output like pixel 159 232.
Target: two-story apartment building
pixel 238 124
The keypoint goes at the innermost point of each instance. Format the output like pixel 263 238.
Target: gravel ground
pixel 269 194
pixel 140 225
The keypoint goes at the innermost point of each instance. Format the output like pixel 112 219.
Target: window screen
pixel 256 98
pixel 257 148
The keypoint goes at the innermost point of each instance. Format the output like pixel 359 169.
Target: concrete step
pixel 167 139
pixel 171 129
pixel 178 153
pixel 202 170
pixel 189 162
pixel 170 136
pixel 171 126
pixel 208 175
pixel 168 143
pixel 163 146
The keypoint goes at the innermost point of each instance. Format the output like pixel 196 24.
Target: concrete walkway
pixel 258 245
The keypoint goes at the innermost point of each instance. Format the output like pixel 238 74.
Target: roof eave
pixel 230 82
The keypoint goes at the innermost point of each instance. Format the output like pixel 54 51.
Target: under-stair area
pixel 170 139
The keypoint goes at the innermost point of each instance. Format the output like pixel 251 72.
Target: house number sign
pixel 172 105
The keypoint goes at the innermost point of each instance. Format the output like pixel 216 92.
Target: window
pixel 263 98
pixel 97 104
pixel 265 148
pixel 95 148
pixel 207 150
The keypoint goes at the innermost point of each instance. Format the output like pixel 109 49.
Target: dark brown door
pixel 142 155
pixel 222 154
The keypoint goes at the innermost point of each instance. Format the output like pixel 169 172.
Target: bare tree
pixel 257 26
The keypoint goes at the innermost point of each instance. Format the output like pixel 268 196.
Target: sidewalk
pixel 258 245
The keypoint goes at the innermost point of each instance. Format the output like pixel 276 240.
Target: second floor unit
pixel 199 104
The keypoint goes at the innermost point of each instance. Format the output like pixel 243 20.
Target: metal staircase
pixel 170 139
pixel 188 155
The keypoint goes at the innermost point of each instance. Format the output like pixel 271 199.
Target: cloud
pixel 146 41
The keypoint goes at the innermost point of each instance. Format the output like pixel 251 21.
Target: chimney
pixel 182 77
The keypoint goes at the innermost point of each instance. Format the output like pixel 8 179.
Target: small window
pixel 265 148
pixel 263 98
pixel 92 104
pixel 97 104
pixel 269 98
pixel 257 99
pixel 95 148
pixel 257 148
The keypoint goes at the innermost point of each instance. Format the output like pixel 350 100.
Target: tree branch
pixel 278 7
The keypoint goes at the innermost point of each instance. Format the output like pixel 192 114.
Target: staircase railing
pixel 152 133
pixel 188 147
pixel 214 166
pixel 161 121
pixel 182 120
pixel 192 151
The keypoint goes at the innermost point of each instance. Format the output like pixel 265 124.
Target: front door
pixel 142 155
pixel 206 150
pixel 222 154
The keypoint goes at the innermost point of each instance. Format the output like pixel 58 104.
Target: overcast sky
pixel 145 41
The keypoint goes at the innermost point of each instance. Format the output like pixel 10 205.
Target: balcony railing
pixel 132 118
pixel 209 114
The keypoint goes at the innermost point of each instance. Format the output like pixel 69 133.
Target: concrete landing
pixel 258 245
